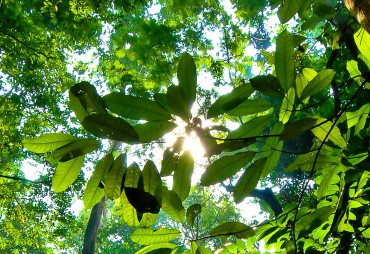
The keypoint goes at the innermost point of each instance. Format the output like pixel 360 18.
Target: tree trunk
pixel 92 227
pixel 361 10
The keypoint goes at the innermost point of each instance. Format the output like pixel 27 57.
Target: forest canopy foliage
pixel 275 91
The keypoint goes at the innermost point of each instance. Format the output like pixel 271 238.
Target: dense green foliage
pixel 295 119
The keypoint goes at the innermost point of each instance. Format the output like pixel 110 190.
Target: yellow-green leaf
pixel 148 236
pixel 113 182
pixel 320 82
pixel 47 142
pixel 182 175
pixel 66 173
pixel 287 106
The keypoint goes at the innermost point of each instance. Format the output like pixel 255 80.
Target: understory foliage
pixel 301 123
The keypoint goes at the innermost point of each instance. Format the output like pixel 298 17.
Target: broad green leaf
pixel 129 214
pixel 93 192
pixel 135 107
pixel 176 99
pixel 153 130
pixel 225 167
pixel 354 72
pixel 300 83
pixel 308 223
pixel 288 9
pixel 161 248
pixel 192 213
pixel 362 40
pixel 366 233
pixel 132 176
pixel 326 181
pixel 320 82
pixel 187 76
pixel 309 73
pixel 114 179
pixel 237 229
pixel 148 236
pixel 169 162
pixel 66 173
pixel 84 100
pixel 107 126
pixel 335 136
pixel 249 180
pixel 268 85
pixel 324 10
pixel 354 117
pixel 229 101
pixel 171 204
pixel 75 149
pixel 293 129
pixel 284 59
pixel 182 175
pixel 252 128
pixel 47 142
pixel 161 99
pixel 250 107
pixel 310 23
pixel 273 159
pixel 287 106
pixel 152 180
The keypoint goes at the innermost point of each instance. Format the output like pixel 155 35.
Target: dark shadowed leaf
pixel 153 130
pixel 284 59
pixel 295 128
pixel 252 128
pixel 288 9
pixel 192 213
pixel 176 99
pixel 142 201
pixel 268 85
pixel 187 76
pixel 182 175
pixel 250 107
pixel 171 204
pixel 237 229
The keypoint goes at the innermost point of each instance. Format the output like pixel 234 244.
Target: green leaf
pixel 250 107
pixel 252 128
pixel 237 229
pixel 148 236
pixel 268 85
pixel 93 192
pixel 169 162
pixel 287 106
pixel 129 213
pixel 310 23
pixel 132 176
pixel 142 201
pixel 309 73
pixel 300 83
pixel 75 149
pixel 176 99
pixel 161 99
pixel 249 180
pixel 335 136
pixel 284 59
pixel 362 40
pixel 66 173
pixel 152 180
pixel 192 213
pixel 229 101
pixel 153 130
pixel 171 204
pixel 288 9
pixel 161 248
pixel 135 107
pixel 148 220
pixel 84 100
pixel 187 76
pixel 324 10
pixel 225 167
pixel 320 82
pixel 114 179
pixel 328 175
pixel 107 126
pixel 182 175
pixel 290 247
pixel 293 129
pixel 47 142
pixel 308 223
pixel 355 73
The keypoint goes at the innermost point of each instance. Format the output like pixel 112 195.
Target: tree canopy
pixel 275 91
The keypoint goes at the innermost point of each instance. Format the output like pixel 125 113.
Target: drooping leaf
pixel 135 107
pixel 171 204
pixel 66 173
pixel 295 128
pixel 153 130
pixel 148 236
pixel 47 142
pixel 252 128
pixel 237 229
pixel 187 76
pixel 93 192
pixel 268 85
pixel 308 223
pixel 107 126
pixel 320 82
pixel 225 167
pixel 182 175
pixel 161 248
pixel 288 9
pixel 250 107
pixel 192 213
pixel 287 106
pixel 169 162
pixel 75 149
pixel 176 99
pixel 284 59
pixel 229 101
pixel 114 179
pixel 249 180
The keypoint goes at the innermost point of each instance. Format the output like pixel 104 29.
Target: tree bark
pixel 361 10
pixel 92 227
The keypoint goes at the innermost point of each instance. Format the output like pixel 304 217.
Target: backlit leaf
pixel 287 106
pixel 268 85
pixel 335 136
pixel 176 99
pixel 182 175
pixel 153 130
pixel 192 213
pixel 161 248
pixel 237 229
pixel 113 182
pixel 169 162
pixel 129 213
pixel 47 142
pixel 250 107
pixel 187 76
pixel 132 176
pixel 75 149
pixel 147 236
pixel 66 173
pixel 284 59
pixel 135 107
pixel 320 82
pixel 171 204
pixel 225 167
pixel 362 40
pixel 252 128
